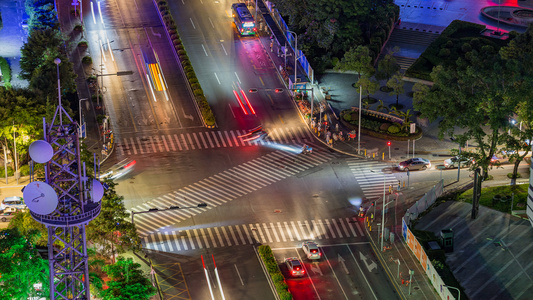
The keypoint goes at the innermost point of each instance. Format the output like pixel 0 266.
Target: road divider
pixel 268 260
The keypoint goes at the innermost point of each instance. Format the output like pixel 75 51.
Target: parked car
pixel 414 164
pixel 13 202
pixel 311 250
pixel 453 162
pixel 6 216
pixel 295 267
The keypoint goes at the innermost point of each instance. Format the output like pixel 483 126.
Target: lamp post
pixel 384 205
pixel 295 55
pixel 151 210
pixel 57 61
pixel 359 132
pixel 79 108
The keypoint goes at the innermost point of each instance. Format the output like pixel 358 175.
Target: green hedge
pixel 6 72
pixel 275 274
pixel 375 127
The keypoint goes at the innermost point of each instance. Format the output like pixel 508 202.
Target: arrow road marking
pixel 315 268
pixel 370 266
pixel 341 261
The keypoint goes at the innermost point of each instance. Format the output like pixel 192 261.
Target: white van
pixel 13 202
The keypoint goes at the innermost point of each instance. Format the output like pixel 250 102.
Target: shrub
pixel 190 74
pixel 173 36
pixel 188 69
pixel 176 42
pixel 161 2
pixel 82 44
pixel 171 32
pixel 180 47
pixel 87 60
pixel 182 52
pixel 198 92
pixel 394 129
pixel 185 62
pixel 196 86
pixel 78 27
pixel 384 126
pixel 24 170
pixel 444 52
pixel 193 81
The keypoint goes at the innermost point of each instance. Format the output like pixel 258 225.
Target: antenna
pixel 65 203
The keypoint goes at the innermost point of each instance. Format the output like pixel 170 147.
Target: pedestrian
pixel 272 46
pixel 337 127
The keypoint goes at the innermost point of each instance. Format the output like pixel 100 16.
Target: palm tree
pixel 406 116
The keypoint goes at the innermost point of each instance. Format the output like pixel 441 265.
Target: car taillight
pixel 293 272
pixel 313 251
pixel 303 271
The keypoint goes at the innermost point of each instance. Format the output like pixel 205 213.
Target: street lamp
pixel 458 291
pixel 151 210
pixel 384 205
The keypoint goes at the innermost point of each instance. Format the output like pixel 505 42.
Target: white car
pixel 453 162
pixel 311 250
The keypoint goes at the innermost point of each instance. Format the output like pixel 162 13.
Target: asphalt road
pixel 346 271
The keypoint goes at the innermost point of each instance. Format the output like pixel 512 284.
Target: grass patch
pixel 488 197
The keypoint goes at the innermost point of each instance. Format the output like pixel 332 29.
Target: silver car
pixel 414 164
pixel 453 162
pixel 311 250
pixel 295 267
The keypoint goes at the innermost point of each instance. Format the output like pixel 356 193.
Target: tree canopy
pixel 128 282
pixel 21 266
pixel 479 95
pixel 329 28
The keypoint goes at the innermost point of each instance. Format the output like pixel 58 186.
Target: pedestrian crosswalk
pixel 372 176
pixel 208 140
pixel 226 186
pixel 246 234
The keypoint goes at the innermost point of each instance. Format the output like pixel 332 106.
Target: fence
pixel 412 213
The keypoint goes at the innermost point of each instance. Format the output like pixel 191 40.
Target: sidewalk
pixel 94 135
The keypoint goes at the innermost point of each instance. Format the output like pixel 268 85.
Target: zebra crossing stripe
pixel 177 241
pixel 140 145
pixel 228 139
pixel 209 140
pixel 275 232
pixel 223 229
pixel 176 138
pixel 281 231
pixel 267 233
pixel 233 235
pixel 215 138
pixel 213 241
pixel 171 142
pixel 198 241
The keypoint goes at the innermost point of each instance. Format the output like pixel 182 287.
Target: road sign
pixel 413 128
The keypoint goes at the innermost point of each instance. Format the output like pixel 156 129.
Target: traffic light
pixel 252 90
pixel 278 90
pixel 388 143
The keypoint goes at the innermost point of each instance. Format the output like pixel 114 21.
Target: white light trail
pixel 110 51
pixel 150 85
pixel 100 12
pixel 207 278
pixel 102 50
pixel 92 10
pixel 238 77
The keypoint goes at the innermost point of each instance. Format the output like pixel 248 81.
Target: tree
pixel 476 95
pixel 359 60
pixel 21 121
pixel 112 231
pixel 42 15
pixel 396 84
pixel 405 116
pixel 127 281
pixel 387 67
pixel 33 51
pixel 368 85
pixel 21 266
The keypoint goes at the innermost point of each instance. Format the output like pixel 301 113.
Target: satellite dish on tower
pixel 97 192
pixel 40 198
pixel 41 151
